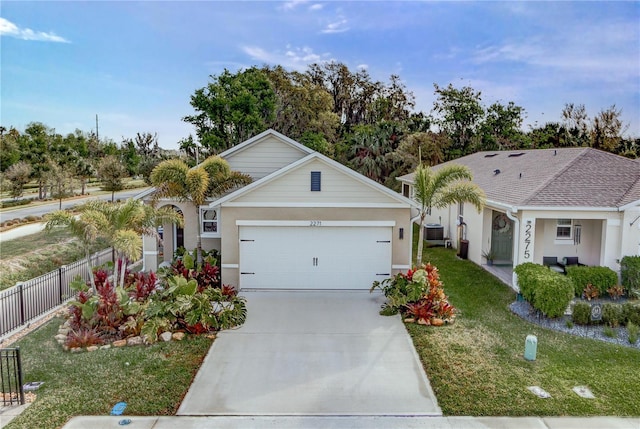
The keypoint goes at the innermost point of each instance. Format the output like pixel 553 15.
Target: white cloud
pixel 339 26
pixel 8 28
pixel 606 53
pixel 293 57
pixel 316 6
pixel 292 4
pixel 362 66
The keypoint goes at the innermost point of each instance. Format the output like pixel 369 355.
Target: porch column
pixel 149 253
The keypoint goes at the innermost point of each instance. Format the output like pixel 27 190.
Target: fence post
pixel 61 271
pixel 20 383
pixel 21 298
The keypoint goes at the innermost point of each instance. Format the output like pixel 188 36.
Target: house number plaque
pixel 528 239
pixel 315 223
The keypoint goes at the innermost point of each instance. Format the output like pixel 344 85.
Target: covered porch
pixel 504 273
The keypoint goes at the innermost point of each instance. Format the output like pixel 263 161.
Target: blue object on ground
pixel 118 408
pixel 124 422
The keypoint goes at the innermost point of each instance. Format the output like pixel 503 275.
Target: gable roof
pixel 564 177
pixel 270 132
pixel 309 159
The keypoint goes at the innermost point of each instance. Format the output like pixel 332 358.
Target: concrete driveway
pixel 312 353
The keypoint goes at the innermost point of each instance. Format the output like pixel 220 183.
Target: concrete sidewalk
pixel 351 422
pixel 312 353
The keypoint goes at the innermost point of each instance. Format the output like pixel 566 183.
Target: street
pixel 37 209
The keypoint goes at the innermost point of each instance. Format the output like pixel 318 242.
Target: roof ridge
pixel 583 151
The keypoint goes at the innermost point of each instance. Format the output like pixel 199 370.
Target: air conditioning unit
pixel 434 232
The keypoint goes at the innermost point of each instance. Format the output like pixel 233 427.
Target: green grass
pixel 476 366
pixel 38 254
pixel 153 382
pixel 21 246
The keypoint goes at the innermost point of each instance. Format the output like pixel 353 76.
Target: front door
pixel 502 238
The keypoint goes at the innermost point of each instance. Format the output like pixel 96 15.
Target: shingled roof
pixel 565 177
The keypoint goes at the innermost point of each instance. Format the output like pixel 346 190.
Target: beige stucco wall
pixel 401 249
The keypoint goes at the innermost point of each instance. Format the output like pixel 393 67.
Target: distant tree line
pixel 368 125
pixel 62 165
pixel 372 126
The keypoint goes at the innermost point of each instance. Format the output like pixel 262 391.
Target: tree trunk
pixel 123 271
pixel 420 240
pixel 199 237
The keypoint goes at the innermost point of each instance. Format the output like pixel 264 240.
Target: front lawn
pixel 152 380
pixel 476 366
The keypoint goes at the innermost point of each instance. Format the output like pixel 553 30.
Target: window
pixel 406 190
pixel 315 180
pixel 210 221
pixel 563 229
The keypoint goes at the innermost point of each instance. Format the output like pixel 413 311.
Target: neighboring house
pixel 569 202
pixel 306 222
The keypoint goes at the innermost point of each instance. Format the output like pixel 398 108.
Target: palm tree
pixel 448 185
pixel 126 223
pixel 174 179
pixel 87 227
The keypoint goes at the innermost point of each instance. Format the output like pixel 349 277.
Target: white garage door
pixel 292 257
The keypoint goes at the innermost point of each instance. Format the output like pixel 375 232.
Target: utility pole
pixel 97 134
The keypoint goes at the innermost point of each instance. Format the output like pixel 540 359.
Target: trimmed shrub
pixel 630 273
pixel 612 314
pixel 631 313
pixel 526 279
pixel 581 313
pixel 14 203
pixel 546 290
pixel 601 277
pixel 553 296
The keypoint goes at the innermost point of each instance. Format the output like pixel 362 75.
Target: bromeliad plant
pixel 206 273
pixel 418 295
pixel 185 298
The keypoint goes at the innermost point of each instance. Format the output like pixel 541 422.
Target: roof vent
pixel 513 155
pixel 490 155
pixel 496 171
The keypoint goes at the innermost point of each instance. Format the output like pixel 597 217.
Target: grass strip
pixel 38 254
pixel 476 366
pixel 152 380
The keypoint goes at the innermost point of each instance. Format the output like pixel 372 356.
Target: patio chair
pixel 553 264
pixel 571 260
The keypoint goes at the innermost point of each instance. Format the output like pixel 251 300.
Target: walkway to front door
pixel 312 353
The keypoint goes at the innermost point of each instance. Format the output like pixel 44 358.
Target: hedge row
pixel 630 273
pixel 546 290
pixel 601 277
pixel 613 314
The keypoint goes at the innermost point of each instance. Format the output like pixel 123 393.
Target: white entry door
pixel 298 257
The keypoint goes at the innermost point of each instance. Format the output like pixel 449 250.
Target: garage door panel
pixel 314 257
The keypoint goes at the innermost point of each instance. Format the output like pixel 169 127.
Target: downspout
pixel 516 245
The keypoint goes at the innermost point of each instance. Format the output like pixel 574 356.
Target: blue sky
pixel 136 64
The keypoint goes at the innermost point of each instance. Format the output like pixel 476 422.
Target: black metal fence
pixel 11 387
pixel 26 301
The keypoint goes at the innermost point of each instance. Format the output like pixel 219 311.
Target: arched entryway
pixel 171 238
